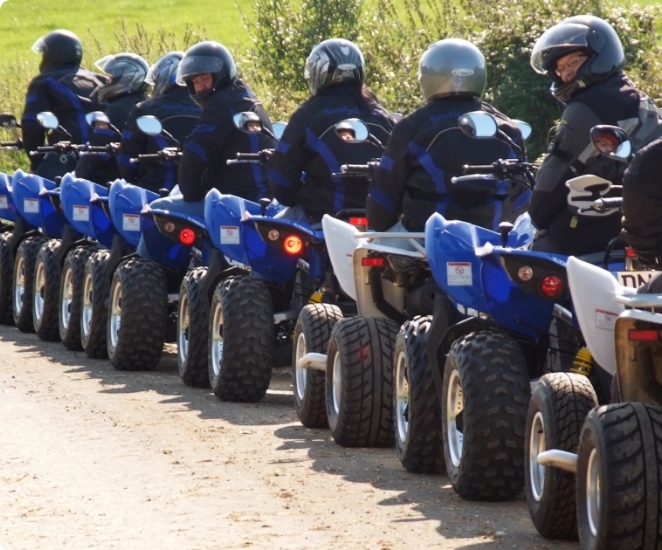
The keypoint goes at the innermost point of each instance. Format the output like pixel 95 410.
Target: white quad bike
pixel 594 471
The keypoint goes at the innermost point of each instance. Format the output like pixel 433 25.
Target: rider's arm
pixel 131 146
pixel 289 160
pixel 568 157
pixel 384 202
pixel 36 101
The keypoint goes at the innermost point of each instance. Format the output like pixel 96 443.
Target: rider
pixel 173 106
pixel 310 150
pixel 125 88
pixel 63 88
pixel 427 148
pixel 583 56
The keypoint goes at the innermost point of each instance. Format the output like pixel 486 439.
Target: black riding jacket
pixel 614 101
pixel 67 91
pixel 310 151
pixel 101 167
pixel 216 139
pixel 426 149
pixel 179 115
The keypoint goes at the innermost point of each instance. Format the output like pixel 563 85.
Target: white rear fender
pixel 340 242
pixel 594 294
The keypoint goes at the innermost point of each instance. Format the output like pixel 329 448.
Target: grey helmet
pixel 127 72
pixel 58 48
pixel 590 35
pixel 333 61
pixel 162 76
pixel 452 67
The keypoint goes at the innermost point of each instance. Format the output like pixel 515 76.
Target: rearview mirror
pixel 96 116
pixel 612 141
pixel 248 121
pixel 478 124
pixel 279 129
pixel 524 128
pixel 48 120
pixel 7 120
pixel 149 125
pixel 352 129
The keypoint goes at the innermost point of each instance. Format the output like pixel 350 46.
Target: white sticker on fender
pixel 230 235
pixel 81 213
pixel 131 222
pixel 605 319
pixel 3 201
pixel 459 274
pixel 31 206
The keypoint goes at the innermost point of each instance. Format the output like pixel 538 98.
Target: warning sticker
pixel 230 234
pixel 459 273
pixel 605 319
pixel 131 222
pixel 31 206
pixel 3 201
pixel 81 213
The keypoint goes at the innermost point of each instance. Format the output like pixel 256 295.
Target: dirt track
pixel 91 457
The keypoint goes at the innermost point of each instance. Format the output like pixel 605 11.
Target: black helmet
pixel 58 47
pixel 127 73
pixel 333 61
pixel 452 67
pixel 206 57
pixel 163 74
pixel 586 34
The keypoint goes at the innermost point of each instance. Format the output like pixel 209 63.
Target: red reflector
pixel 630 253
pixel 642 335
pixel 372 262
pixel 293 244
pixel 358 221
pixel 551 286
pixel 187 236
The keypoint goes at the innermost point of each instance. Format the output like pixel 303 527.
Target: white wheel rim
pixel 593 492
pixel 454 411
pixel 337 382
pixel 401 396
pixel 115 314
pixel 216 342
pixel 88 300
pixel 67 297
pixel 300 373
pixel 19 284
pixel 537 446
pixel 40 287
pixel 183 325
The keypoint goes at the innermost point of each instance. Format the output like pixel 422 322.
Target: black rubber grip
pixel 478 169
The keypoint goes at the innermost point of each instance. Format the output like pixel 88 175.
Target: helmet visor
pixel 556 42
pixel 106 65
pixel 40 46
pixel 152 75
pixel 194 65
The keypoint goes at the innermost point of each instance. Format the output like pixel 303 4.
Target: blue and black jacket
pixel 67 91
pixel 216 139
pixel 179 116
pixel 310 151
pixel 426 149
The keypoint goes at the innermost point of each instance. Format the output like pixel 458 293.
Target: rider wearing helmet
pixel 63 88
pixel 583 56
pixel 335 71
pixel 173 106
pixel 126 86
pixel 208 71
pixel 427 148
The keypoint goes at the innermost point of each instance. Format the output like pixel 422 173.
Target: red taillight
pixel 642 335
pixel 293 244
pixel 629 252
pixel 358 221
pixel 372 262
pixel 187 236
pixel 551 286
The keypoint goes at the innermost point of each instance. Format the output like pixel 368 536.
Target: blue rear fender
pixel 25 191
pixel 125 203
pixel 7 208
pixel 163 249
pixel 53 219
pixel 102 224
pixel 75 196
pixel 223 214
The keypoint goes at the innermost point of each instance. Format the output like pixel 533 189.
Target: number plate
pixel 634 279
